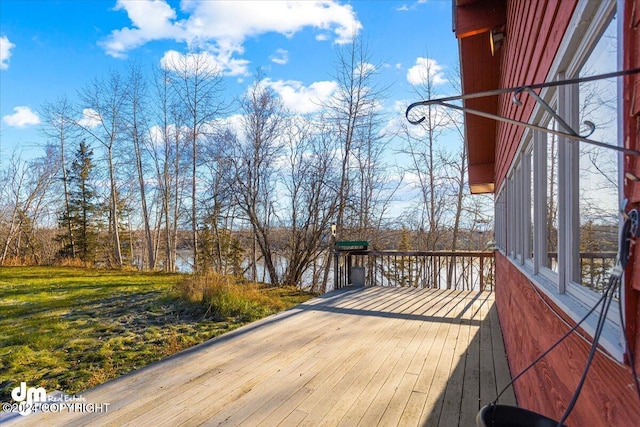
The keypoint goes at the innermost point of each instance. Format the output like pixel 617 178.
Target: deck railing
pixel 595 268
pixel 459 270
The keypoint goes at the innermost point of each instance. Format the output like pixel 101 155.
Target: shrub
pixel 72 262
pixel 225 298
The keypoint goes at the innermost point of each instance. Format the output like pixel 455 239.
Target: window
pixel 598 180
pixel 558 205
pixel 550 143
pixel 500 232
pixel 527 191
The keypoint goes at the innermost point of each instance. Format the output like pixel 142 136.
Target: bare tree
pixel 59 127
pixel 103 102
pixel 352 113
pixel 168 143
pixel 218 201
pixel 373 176
pixel 551 225
pixel 424 153
pixel 23 198
pixel 309 180
pixel 198 85
pixel 254 165
pixel 136 125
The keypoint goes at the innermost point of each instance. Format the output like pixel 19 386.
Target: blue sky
pixel 53 48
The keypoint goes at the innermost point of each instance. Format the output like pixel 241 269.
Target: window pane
pixel 552 200
pixel 529 199
pixel 598 179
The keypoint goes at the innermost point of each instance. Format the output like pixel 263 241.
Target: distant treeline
pixel 139 165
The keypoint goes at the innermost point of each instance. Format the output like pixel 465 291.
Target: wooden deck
pixel 368 356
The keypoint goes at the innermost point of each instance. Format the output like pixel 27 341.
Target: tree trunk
pixel 117 250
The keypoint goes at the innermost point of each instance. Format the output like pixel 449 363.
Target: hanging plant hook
pixel 568 132
pixel 516 97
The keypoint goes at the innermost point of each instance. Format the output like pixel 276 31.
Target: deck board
pixel 368 356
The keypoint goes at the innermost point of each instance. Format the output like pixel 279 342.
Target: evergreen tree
pixel 82 208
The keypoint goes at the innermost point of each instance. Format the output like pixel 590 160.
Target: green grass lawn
pixel 70 329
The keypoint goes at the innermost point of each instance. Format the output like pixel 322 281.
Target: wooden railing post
pixel 482 272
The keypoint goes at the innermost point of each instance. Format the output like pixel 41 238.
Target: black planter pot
pixel 510 416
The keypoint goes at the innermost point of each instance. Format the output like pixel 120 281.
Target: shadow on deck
pixel 367 356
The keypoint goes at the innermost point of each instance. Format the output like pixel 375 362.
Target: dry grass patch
pixel 70 328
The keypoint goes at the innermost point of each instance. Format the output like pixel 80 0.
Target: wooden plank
pixel 375 361
pixel 246 403
pixel 200 405
pixel 244 372
pixel 287 409
pixel 427 339
pixel 451 405
pixel 501 366
pixel 366 397
pixel 413 410
pixel 250 366
pixel 360 386
pixel 293 419
pixel 328 394
pixel 439 374
pixel 358 356
pixel 470 400
pixel 374 356
pixel 263 399
pixel 487 377
pixel 396 406
pixel 392 397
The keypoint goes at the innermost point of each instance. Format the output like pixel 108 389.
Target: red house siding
pixel 631 115
pixel 529 327
pixel 530 322
pixel 534 31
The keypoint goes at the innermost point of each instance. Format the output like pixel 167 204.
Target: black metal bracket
pixel 568 132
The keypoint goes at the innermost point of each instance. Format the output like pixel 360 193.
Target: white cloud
pixel 424 69
pixel 302 99
pixel 90 118
pixel 234 123
pixel 151 19
pixel 5 52
pixel 441 117
pixel 280 56
pixel 204 61
pixel 221 27
pixel 22 117
pixel 156 134
pixel 364 69
pixel 238 20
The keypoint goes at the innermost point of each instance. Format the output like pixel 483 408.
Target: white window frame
pixel 499 222
pixel 574 299
pixel 527 203
pixel 539 153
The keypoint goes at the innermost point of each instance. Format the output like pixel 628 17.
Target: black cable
pixel 615 279
pixel 632 359
pixel 553 346
pixel 629 232
pixel 613 282
pixel 625 253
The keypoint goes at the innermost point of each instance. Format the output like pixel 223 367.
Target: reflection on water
pixel 184 264
pixel 184 261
